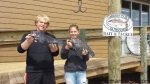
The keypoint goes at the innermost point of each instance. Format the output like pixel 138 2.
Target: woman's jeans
pixel 78 77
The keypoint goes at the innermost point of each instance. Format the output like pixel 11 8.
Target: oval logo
pixel 118 23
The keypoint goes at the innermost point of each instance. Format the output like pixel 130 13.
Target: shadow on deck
pixel 12 73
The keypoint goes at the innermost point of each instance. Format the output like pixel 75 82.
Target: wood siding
pixel 8 52
pixel 20 15
pixel 17 17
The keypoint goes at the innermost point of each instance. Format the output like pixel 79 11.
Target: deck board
pixel 12 73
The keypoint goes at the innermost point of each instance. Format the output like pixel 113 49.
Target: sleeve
pixel 19 48
pixel 64 52
pixel 86 57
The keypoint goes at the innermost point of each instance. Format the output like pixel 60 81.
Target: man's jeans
pixel 78 77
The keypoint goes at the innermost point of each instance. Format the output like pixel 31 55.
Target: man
pixel 40 54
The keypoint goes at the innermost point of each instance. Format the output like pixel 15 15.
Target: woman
pixel 75 66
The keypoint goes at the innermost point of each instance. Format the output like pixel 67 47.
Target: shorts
pixel 39 78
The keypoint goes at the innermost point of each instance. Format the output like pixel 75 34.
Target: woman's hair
pixel 74 25
pixel 42 17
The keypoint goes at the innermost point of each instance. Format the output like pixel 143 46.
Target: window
pixel 139 12
pixel 126 8
pixel 136 14
pixel 145 15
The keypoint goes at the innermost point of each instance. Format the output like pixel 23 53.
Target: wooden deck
pixel 12 73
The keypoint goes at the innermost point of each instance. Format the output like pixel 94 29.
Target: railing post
pixel 143 51
pixel 114 52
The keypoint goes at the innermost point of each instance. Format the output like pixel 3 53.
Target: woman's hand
pixel 84 52
pixel 68 44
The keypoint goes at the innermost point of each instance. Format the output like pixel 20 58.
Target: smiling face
pixel 73 31
pixel 42 22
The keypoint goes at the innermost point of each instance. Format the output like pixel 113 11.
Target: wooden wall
pixel 99 46
pixel 8 53
pixel 8 49
pixel 17 17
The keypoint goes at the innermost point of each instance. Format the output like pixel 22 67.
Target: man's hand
pixel 29 38
pixel 53 47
